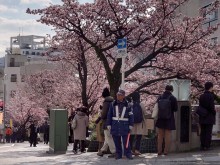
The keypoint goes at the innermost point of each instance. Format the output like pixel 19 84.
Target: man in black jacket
pixel 33 133
pixel 206 101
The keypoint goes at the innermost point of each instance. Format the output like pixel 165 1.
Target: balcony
pixel 16 64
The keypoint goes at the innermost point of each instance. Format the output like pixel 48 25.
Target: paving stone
pixel 22 154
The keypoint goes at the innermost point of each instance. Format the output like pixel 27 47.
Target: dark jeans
pixel 82 145
pixel 8 138
pixel 33 140
pixel 137 139
pixel 206 135
pixel 117 141
pixel 46 138
pixel 13 138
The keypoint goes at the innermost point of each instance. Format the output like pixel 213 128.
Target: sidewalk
pixel 22 154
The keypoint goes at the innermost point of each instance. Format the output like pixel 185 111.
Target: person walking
pixel 108 142
pixel 206 101
pixel 79 125
pixel 167 105
pixel 8 133
pixel 120 122
pixel 70 119
pixel 46 132
pixel 140 127
pixel 33 134
pixel 99 129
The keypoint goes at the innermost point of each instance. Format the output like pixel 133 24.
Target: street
pixel 22 154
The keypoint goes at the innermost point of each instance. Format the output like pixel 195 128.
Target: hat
pixel 105 92
pixel 169 88
pixel 208 85
pixel 135 96
pixel 83 109
pixel 121 92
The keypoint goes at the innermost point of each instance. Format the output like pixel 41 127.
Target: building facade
pixel 192 8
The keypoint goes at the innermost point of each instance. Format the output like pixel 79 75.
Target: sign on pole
pixel 122 53
pixel 122 48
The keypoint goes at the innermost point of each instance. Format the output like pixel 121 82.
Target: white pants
pixel 108 142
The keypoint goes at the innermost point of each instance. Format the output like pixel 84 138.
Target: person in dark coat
pixel 140 128
pixel 206 101
pixel 120 122
pixel 46 132
pixel 33 134
pixel 165 126
pixel 70 119
pixel 108 143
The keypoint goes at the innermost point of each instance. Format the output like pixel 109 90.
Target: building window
pixel 214 41
pixel 12 62
pixel 27 52
pixel 13 78
pixel 13 94
pixel 33 53
pixel 22 78
pixel 209 17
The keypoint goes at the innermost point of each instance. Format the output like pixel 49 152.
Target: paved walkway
pixel 22 154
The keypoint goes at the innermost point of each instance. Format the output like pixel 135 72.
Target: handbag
pixel 74 123
pixel 202 112
pixel 155 111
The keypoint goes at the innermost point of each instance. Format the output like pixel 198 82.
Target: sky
pixel 14 20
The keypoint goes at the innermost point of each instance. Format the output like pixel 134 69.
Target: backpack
pixel 164 108
pixel 137 112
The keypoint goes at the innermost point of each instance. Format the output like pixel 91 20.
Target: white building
pixel 24 57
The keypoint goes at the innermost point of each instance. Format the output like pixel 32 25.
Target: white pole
pixel 123 73
pixel 123 87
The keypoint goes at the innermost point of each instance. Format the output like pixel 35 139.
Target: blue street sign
pixel 122 43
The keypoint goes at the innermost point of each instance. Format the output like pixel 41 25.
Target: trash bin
pixel 58 131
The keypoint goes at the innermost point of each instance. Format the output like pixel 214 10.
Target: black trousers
pixel 46 138
pixel 206 135
pixel 137 139
pixel 33 140
pixel 82 145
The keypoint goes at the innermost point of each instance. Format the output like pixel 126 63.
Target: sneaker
pixel 159 154
pixel 118 158
pixel 111 156
pixel 137 153
pixel 100 154
pixel 130 158
pixel 75 152
pixel 133 153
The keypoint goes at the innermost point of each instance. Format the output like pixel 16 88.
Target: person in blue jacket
pixel 120 121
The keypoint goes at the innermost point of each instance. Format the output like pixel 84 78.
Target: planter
pixel 148 145
pixel 93 146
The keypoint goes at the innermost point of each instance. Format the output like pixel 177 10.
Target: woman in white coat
pixel 79 124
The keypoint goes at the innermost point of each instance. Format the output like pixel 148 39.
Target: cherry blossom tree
pixel 154 29
pixel 21 109
pixel 65 86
